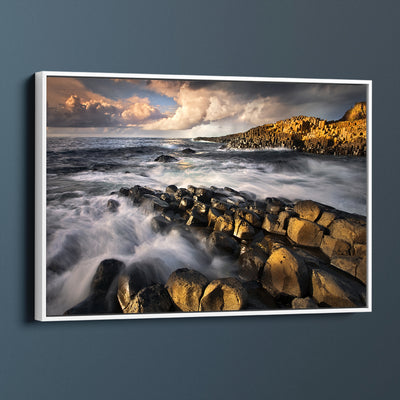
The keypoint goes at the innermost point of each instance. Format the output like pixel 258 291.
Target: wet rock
pixel 219 205
pixel 224 223
pixel 186 287
pixel 304 303
pixel 138 192
pixel 304 232
pixel 197 219
pixel 191 189
pixel 251 263
pixel 273 205
pixel 201 208
pixel 308 210
pixel 130 283
pixel 243 229
pixel 332 289
pixel 105 275
pixel 334 247
pixel 286 273
pixel 171 189
pixel 165 159
pixel 181 193
pixel 124 191
pixel 223 242
pixel 351 231
pixel 150 300
pixel 156 204
pixel 251 217
pixel 186 203
pixel 160 224
pixel 226 294
pixel 188 151
pixel 203 194
pixel 356 266
pixel 213 214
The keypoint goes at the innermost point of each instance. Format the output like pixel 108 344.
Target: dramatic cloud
pixel 188 107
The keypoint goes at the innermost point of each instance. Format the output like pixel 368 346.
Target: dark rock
pixel 160 224
pixel 213 214
pixel 171 189
pixel 105 274
pixel 180 193
pixel 336 290
pixel 138 192
pixel 273 205
pixel 258 298
pixel 276 223
pixel 304 303
pixel 113 205
pixel 188 151
pixel 191 189
pixel 224 223
pixel 219 205
pixel 156 204
pixel 223 242
pixel 286 273
pixel 226 294
pixel 124 191
pixel 186 203
pixel 165 159
pixel 150 300
pixel 186 287
pixel 251 217
pixel 197 219
pixel 203 194
pixel 252 263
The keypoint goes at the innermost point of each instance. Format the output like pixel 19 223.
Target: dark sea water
pixel 82 172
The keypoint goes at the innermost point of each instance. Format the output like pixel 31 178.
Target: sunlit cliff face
pixel 188 108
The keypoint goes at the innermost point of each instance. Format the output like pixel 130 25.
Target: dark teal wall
pixel 352 356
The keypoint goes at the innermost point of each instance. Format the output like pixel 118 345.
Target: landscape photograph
pixel 184 196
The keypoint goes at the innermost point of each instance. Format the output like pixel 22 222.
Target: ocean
pixel 82 172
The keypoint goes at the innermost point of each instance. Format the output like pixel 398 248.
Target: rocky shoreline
pixel 345 137
pixel 288 255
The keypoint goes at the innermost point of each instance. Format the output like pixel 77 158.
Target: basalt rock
pixel 252 263
pixel 304 232
pixel 308 210
pixel 226 294
pixel 186 287
pixel 304 303
pixel 165 159
pixel 224 223
pixel 222 242
pixel 286 273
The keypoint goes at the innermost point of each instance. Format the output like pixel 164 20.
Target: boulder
pixel 304 303
pixel 224 223
pixel 326 219
pixel 286 273
pixel 165 159
pixel 213 214
pixel 276 223
pixel 124 191
pixel 273 205
pixel 251 217
pixel 137 193
pixel 223 242
pixel 219 205
pixel 188 151
pixel 336 290
pixel 243 229
pixel 150 300
pixel 356 266
pixel 308 210
pixel 257 297
pixel 197 219
pixel 113 205
pixel 304 232
pixel 226 294
pixel 251 263
pixel 360 250
pixel 186 287
pixel 160 224
pixel 171 189
pixel 186 203
pixel 334 247
pixel 105 275
pixel 351 231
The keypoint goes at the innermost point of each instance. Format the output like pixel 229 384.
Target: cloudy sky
pixel 173 108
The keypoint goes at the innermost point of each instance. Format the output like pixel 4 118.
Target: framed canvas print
pixel 186 196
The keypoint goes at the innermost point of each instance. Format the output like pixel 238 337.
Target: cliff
pixel 346 136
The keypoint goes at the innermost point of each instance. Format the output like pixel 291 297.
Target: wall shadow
pixel 29 211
